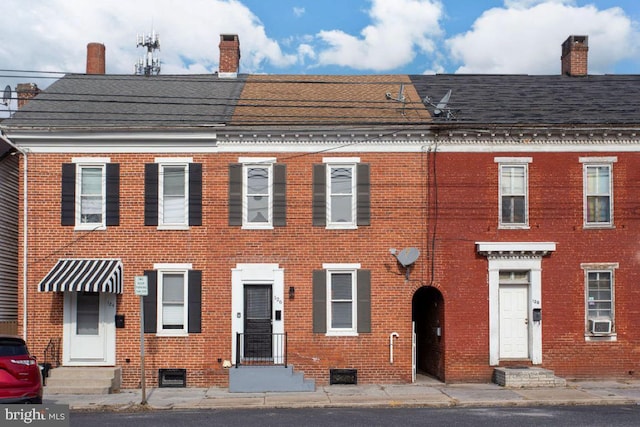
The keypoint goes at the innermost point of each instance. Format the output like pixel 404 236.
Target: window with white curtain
pixel 91 188
pixel 172 301
pixel 173 195
pixel 341 299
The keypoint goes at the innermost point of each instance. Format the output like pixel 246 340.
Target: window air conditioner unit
pixel 600 326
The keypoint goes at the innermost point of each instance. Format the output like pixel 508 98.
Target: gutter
pixel 25 233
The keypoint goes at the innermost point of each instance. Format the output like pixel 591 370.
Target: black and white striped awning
pixel 91 275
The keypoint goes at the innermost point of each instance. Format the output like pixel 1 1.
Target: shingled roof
pixel 122 101
pixel 594 100
pixel 321 100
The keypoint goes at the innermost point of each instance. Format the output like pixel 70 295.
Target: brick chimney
pixel 95 58
pixel 229 56
pixel 26 91
pixel 574 56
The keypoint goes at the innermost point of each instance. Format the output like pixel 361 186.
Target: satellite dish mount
pixel 406 258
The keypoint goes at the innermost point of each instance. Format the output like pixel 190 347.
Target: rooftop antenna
pixel 441 108
pixel 399 98
pixel 150 63
pixel 6 97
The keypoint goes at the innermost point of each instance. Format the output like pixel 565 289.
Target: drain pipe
pixel 391 337
pixel 25 233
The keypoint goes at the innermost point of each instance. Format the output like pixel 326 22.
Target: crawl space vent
pixel 343 376
pixel 172 377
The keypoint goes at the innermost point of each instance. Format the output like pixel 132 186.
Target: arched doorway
pixel 428 323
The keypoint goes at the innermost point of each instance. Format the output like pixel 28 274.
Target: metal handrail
pixel 52 353
pixel 261 349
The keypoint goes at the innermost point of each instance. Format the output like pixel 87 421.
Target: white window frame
pixel 352 269
pixel 85 163
pixel 263 163
pixel 521 162
pixel 595 162
pixel 173 162
pixel 161 270
pixel 342 162
pixel 600 268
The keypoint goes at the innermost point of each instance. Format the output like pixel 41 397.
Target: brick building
pixel 369 226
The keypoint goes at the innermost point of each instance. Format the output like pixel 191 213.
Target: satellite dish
pixel 6 97
pixel 408 256
pixel 442 104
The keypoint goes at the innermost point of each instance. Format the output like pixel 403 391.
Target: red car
pixel 20 377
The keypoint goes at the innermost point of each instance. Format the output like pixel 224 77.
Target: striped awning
pixel 91 275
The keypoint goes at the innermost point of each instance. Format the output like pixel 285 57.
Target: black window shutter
pixel 151 194
pixel 319 301
pixel 319 195
pixel 364 300
pixel 113 194
pixel 364 195
pixel 68 202
pixel 195 194
pixel 150 303
pixel 279 195
pixel 195 301
pixel 235 194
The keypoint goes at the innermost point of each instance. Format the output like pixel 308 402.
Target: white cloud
pixel 399 28
pixel 298 11
pixel 53 34
pixel 528 39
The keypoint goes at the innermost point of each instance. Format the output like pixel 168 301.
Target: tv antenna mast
pixel 150 63
pixel 6 98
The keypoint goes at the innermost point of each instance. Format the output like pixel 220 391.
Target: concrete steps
pixel 260 379
pixel 84 380
pixel 526 377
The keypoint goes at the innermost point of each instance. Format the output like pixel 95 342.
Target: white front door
pixel 514 322
pixel 89 328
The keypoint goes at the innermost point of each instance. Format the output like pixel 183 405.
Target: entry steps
pixel 259 379
pixel 84 380
pixel 526 377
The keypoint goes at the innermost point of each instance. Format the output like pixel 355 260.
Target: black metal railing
pixel 52 353
pixel 261 349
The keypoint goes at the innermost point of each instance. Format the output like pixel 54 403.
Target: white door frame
pixel 523 256
pixel 256 274
pixel 107 330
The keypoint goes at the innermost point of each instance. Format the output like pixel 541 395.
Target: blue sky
pixel 320 36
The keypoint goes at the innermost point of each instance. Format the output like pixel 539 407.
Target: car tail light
pixel 27 362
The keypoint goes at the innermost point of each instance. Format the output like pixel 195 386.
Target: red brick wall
pixel 402 186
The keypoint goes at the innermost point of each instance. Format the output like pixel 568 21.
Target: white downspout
pixel 391 337
pixel 25 233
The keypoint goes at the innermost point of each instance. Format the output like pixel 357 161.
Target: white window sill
pixel 342 334
pixel 173 227
pixel 598 226
pixel 601 338
pixel 257 227
pixel 172 334
pixel 514 227
pixel 342 227
pixel 90 227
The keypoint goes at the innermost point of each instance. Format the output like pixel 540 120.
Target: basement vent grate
pixel 172 377
pixel 343 376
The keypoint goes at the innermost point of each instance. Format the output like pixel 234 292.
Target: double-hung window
pixel 598 191
pixel 257 193
pixel 513 188
pixel 90 193
pixel 174 301
pixel 173 193
pixel 342 300
pixel 600 302
pixel 341 193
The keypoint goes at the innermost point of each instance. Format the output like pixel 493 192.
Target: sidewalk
pixel 427 393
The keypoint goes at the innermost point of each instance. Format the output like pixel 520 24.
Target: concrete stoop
pixel 526 377
pixel 84 380
pixel 260 379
